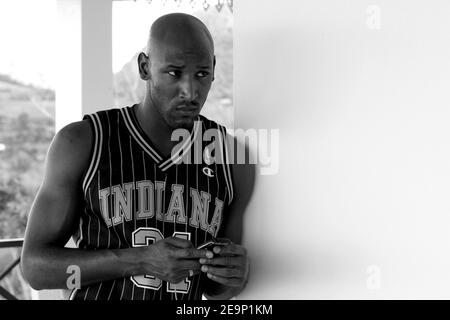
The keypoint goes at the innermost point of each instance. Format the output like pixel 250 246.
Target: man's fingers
pixel 192 253
pixel 223 272
pixel 191 265
pixel 186 274
pixel 190 273
pixel 187 250
pixel 231 249
pixel 223 261
pixel 223 241
pixel 180 243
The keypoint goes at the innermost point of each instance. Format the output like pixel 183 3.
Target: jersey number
pixel 145 237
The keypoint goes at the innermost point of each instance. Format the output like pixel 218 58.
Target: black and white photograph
pixel 254 150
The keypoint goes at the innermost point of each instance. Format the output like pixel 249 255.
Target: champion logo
pixel 208 171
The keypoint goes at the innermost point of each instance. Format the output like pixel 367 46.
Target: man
pixel 142 217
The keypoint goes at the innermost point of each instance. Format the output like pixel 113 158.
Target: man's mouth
pixel 188 111
pixel 186 108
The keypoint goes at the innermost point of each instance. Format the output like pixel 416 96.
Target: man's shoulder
pixel 209 123
pixel 104 112
pixel 82 130
pixel 79 136
pixel 70 148
pixel 75 132
pixel 74 141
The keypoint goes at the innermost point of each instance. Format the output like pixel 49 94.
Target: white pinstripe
pixel 187 198
pixel 110 178
pixel 185 148
pixel 132 291
pixel 111 291
pixel 154 217
pixel 134 185
pixel 85 295
pixel 89 223
pixel 163 209
pixel 98 234
pixel 98 142
pixel 218 191
pixel 109 229
pixel 175 229
pixel 123 289
pixel 121 178
pixel 209 192
pixel 196 234
pixel 98 291
pixel 73 294
pixel 133 205
pixel 146 220
pixel 226 169
pixel 110 186
pixel 137 136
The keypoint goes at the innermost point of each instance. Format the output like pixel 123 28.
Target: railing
pixel 9 243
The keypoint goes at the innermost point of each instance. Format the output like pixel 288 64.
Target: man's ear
pixel 214 67
pixel 144 66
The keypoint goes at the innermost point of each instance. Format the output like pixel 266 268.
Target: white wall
pixel 364 147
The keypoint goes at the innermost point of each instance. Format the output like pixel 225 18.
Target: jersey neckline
pixel 138 133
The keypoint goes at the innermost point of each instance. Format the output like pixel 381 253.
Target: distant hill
pixel 15 90
pixel 17 98
pixel 6 78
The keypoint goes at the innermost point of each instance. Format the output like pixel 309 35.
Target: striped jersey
pixel 135 196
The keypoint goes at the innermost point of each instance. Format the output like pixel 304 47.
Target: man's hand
pixel 172 259
pixel 229 267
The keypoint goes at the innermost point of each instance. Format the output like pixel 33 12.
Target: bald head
pixel 179 29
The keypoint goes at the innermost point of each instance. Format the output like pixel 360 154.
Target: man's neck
pixel 155 127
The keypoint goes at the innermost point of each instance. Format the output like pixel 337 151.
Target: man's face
pixel 181 74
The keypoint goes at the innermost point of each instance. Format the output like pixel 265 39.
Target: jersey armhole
pixel 227 167
pixel 97 139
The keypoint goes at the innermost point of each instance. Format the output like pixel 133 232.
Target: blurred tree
pixel 25 135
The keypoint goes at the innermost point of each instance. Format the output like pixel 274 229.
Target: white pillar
pixel 84 59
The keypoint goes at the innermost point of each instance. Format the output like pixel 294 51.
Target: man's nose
pixel 188 90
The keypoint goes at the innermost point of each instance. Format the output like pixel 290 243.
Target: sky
pixel 26 40
pixel 27 34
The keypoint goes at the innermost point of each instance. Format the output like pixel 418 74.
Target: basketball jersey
pixel 134 196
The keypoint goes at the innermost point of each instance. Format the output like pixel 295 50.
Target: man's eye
pixel 174 73
pixel 202 74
